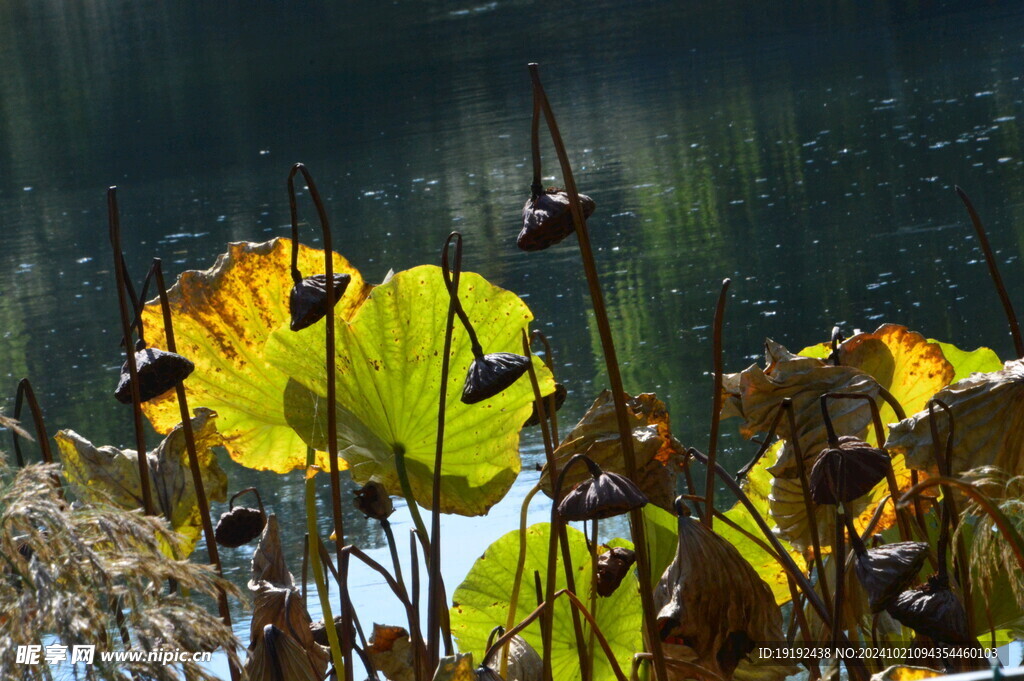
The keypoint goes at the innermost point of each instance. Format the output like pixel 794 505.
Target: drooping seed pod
pixel 240 525
pixel 524 664
pixel 612 567
pixel 560 395
pixel 308 300
pixel 847 472
pixel 603 495
pixel 933 610
pixel 158 372
pixel 373 500
pixel 489 374
pixel 886 571
pixel 547 219
pixel 711 601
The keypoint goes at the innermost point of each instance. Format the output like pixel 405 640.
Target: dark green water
pixel 806 149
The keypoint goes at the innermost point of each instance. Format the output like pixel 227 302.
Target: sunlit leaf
pixel 904 673
pixel 656 452
pixel 222 318
pixel 114 474
pixel 389 377
pixel 457 667
pixel 391 652
pixel 481 603
pixel 989 424
pixel 965 362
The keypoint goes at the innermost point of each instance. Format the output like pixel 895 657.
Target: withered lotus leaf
pixel 657 452
pixel 391 652
pixel 158 371
pixel 847 472
pixel 278 608
pixel 612 566
pixel 524 664
pixel 492 373
pixel 602 495
pixel 933 610
pixel 886 571
pixel 457 667
pixel 307 301
pixel 547 219
pixel 989 414
pixel 222 318
pixel 113 474
pixel 711 601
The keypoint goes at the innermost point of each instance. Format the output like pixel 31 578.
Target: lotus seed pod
pixel 373 500
pixel 888 570
pixel 933 610
pixel 560 395
pixel 602 495
pixel 547 219
pixel 490 374
pixel 847 472
pixel 158 372
pixel 612 567
pixel 239 526
pixel 308 300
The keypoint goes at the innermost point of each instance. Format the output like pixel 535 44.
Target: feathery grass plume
pixel 66 569
pixel 990 552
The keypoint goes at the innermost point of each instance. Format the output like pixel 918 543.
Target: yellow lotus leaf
pixel 388 380
pixel 113 474
pixel 988 409
pixel 755 395
pixel 901 672
pixel 597 435
pixel 457 667
pixel 222 318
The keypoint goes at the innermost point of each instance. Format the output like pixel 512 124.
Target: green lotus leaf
pixel 481 602
pixel 389 380
pixel 983 360
pixel 222 317
pixel 112 474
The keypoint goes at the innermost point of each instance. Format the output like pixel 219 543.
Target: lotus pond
pixel 822 187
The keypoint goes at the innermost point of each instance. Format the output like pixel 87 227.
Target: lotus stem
pixel 347 605
pixel 120 274
pixel 451 280
pixel 414 625
pixel 547 605
pixel 193 459
pixel 688 476
pixel 716 408
pixel 318 568
pixel 636 521
pixel 517 580
pixel 25 392
pixel 839 558
pixel 545 626
pixel 305 568
pixel 389 534
pixel 330 361
pixel 812 525
pixel 549 362
pixel 993 270
pixel 592 549
pixel 765 445
pixel 557 532
pixel 902 522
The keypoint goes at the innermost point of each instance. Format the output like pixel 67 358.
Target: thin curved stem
pixel 193 458
pixel 26 393
pixel 636 520
pixel 993 270
pixel 517 580
pixel 121 276
pixel 716 407
pixel 549 362
pixel 451 282
pixel 318 569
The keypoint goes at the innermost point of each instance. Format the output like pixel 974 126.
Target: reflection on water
pixel 806 149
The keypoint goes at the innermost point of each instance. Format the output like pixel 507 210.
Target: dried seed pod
pixel 524 664
pixel 158 371
pixel 490 374
pixel 560 395
pixel 711 600
pixel 240 525
pixel 887 570
pixel 547 219
pixel 847 472
pixel 308 300
pixel 373 500
pixel 612 567
pixel 933 610
pixel 319 630
pixel 602 495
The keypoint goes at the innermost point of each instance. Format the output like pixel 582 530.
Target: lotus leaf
pixel 280 631
pixel 481 603
pixel 222 318
pixel 597 435
pixel 989 424
pixel 108 472
pixel 388 380
pixel 905 673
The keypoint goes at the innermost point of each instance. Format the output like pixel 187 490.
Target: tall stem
pixel 636 520
pixel 716 408
pixel 193 457
pixel 317 565
pixel 993 270
pixel 121 276
pixel 25 392
pixel 549 362
pixel 517 580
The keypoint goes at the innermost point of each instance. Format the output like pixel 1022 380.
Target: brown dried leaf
pixel 391 652
pixel 597 436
